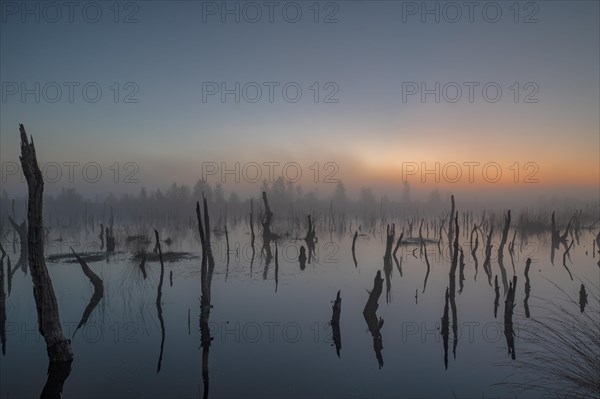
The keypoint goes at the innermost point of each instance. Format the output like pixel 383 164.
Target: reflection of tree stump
pixel 488 254
pixel 503 239
pixel 252 237
pixel 452 281
pixel 58 347
pixel 509 304
pixel 21 230
pixel 461 271
pixel 206 273
pixel 310 239
pixel 143 266
pixel 159 301
pixel 302 258
pixel 527 287
pixel 372 305
pixel 335 323
pixel 583 298
pixel 445 331
pixel 497 297
pixel 373 323
pixel 98 291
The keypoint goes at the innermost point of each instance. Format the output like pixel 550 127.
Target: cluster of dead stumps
pixel 31 233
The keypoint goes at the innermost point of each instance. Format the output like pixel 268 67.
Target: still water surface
pixel 271 326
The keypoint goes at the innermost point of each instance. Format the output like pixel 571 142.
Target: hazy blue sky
pixel 176 49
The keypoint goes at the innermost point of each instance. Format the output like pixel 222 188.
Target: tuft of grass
pixel 562 357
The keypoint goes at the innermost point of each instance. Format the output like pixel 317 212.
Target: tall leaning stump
pixel 58 347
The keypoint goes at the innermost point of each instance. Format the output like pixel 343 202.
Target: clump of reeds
pixel 562 357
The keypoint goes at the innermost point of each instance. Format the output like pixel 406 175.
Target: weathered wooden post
pixel 58 347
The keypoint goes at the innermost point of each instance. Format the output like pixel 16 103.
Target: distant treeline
pixel 176 204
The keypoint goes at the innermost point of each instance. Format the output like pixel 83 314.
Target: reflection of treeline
pixel 288 201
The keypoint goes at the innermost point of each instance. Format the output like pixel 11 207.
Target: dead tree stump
pixel 58 347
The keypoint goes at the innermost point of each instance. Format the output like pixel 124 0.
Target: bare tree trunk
pixel 354 248
pixel 501 250
pixel 266 222
pixel 57 375
pixel 450 225
pixel 252 222
pixel 58 347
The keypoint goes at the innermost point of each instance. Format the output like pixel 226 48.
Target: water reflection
pixel 310 238
pixel 276 267
pixel 206 273
pixel 21 230
pixel 252 236
pixel 2 302
pixel 98 291
pixel 461 273
pixel 452 293
pixel 527 287
pixel 583 298
pixel 497 297
pixel 373 322
pixel 354 248
pixel 501 251
pixel 487 268
pixel 565 254
pixel 398 264
pixel 427 272
pixel 397 249
pixel 159 302
pixel 9 273
pixel 143 266
pixel 474 249
pixel 509 304
pixel 302 258
pixel 335 323
pixel 445 330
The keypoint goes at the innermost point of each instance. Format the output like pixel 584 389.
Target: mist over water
pixel 280 311
pixel 299 199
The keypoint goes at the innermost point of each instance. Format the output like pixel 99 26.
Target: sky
pixel 147 93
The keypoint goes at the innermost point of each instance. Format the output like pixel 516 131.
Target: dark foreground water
pixel 271 325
